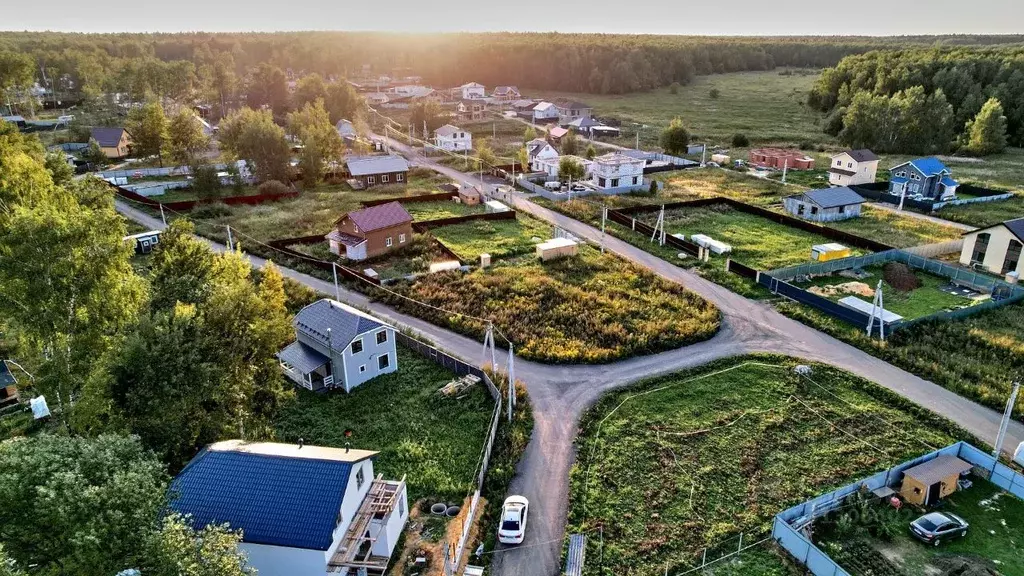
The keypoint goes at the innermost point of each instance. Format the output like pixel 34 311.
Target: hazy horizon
pixel 742 18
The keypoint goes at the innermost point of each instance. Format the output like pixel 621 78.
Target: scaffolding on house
pixel 355 551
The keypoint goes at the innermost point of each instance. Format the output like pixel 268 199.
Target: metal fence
pixel 778 286
pixel 787 529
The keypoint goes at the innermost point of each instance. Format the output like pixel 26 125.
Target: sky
pixel 736 17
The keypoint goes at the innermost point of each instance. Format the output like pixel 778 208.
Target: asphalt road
pixel 561 393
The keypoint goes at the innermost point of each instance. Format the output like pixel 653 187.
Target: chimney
pixel 348 447
pixel 301 442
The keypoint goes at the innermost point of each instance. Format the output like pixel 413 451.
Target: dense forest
pixel 596 63
pixel 926 100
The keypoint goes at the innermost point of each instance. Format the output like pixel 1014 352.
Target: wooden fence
pixel 438 197
pixel 185 205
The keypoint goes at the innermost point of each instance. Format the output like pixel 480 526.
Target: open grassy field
pixel 499 238
pixel 922 301
pixel 896 230
pixel 588 308
pixel 756 241
pixel 423 211
pixel 984 214
pixel 766 106
pixel 872 533
pixel 431 439
pixel 692 460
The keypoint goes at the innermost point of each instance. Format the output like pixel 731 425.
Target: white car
pixel 513 520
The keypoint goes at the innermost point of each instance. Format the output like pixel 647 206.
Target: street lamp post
pixel 1007 415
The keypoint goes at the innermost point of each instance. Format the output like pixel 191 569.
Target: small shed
pixel 825 205
pixel 495 206
pixel 830 251
pixel 926 484
pixel 721 159
pixel 144 242
pixel 557 248
pixel 469 196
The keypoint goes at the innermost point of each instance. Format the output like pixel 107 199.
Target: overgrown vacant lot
pixel 982 214
pixel 588 308
pixel 423 211
pixel 977 357
pixel 766 106
pixel 896 230
pixel 756 241
pixel 499 238
pixel 433 440
pixel 691 460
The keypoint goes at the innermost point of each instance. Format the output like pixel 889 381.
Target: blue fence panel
pixel 821 565
pixel 791 540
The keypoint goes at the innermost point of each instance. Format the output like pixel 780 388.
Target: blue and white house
pixel 338 347
pixel 302 510
pixel 922 179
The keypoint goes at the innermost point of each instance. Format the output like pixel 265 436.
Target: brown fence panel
pixel 647 230
pixel 439 197
pixel 428 224
pixel 185 205
pixel 740 269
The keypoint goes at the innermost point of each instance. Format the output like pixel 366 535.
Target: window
pixel 401 238
pixel 1012 256
pixel 839 162
pixel 383 362
pixel 359 478
pixel 601 182
pixel 382 336
pixel 615 182
pixel 635 180
pixel 399 177
pixel 357 346
pixel 800 209
pixel 370 180
pixel 388 242
pixel 901 174
pixel 384 179
pixel 849 164
pixel 814 210
pixel 981 247
pixel 362 368
pixel 842 209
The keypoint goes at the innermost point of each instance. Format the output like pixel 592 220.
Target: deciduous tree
pixel 253 136
pixel 186 141
pixel 267 86
pixel 570 169
pixel 177 549
pixel 986 134
pixel 570 144
pixel 57 165
pixel 529 134
pixel 675 138
pixel 321 143
pixel 148 127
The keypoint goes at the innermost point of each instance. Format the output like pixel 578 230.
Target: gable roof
pixel 930 166
pixel 571 104
pixel 107 137
pixel 938 469
pixel 472 85
pixel 367 165
pixel 832 197
pixel 345 128
pixel 277 494
pixel 558 132
pixel 447 130
pixel 583 123
pixel 1015 226
pixel 379 217
pixel 542 106
pixel 505 90
pixel 862 155
pixel 536 146
pixel 344 322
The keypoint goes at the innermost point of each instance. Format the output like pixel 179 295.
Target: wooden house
pixel 370 232
pixel 927 483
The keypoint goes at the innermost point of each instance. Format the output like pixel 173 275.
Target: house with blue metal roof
pixel 302 510
pixel 825 205
pixel 922 179
pixel 338 347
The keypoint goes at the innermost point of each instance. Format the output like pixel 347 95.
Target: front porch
pixel 306 367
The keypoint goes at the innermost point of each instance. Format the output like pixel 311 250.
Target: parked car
pixel 553 185
pixel 513 520
pixel 938 527
pixel 578 188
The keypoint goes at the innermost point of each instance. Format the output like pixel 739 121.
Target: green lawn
pixel 499 238
pixel 423 211
pixel 922 301
pixel 432 440
pixel 756 241
pixel 691 460
pixel 766 106
pixel 414 258
pixel 982 214
pixel 994 542
pixel 896 230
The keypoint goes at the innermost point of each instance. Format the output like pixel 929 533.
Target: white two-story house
pixel 338 347
pixel 453 139
pixel 614 170
pixel 472 90
pixel 540 151
pixel 853 167
pixel 302 510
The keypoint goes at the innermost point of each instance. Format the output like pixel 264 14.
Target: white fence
pixel 937 249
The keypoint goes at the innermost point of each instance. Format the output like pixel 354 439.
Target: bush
pixel 740 140
pixel 653 188
pixel 205 182
pixel 714 94
pixel 274 187
pixel 673 88
pixel 210 211
pixel 806 145
pixel 900 276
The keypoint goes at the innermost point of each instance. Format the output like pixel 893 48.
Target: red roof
pixel 379 217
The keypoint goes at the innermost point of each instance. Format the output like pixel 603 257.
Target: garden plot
pixel 499 238
pixel 755 241
pixel 905 291
pixel 424 211
pixel 690 461
pixel 416 257
pixel 872 536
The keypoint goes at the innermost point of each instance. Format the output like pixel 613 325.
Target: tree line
pixel 141 367
pixel 926 101
pixel 221 66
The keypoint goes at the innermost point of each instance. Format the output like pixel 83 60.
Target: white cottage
pixel 540 151
pixel 453 139
pixel 826 205
pixel 615 170
pixel 338 346
pixel 853 167
pixel 302 510
pixel 996 248
pixel 545 112
pixel 472 90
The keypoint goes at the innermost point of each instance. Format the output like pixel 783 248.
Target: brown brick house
pixel 372 231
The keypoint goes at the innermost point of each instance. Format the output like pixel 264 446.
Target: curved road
pixel 561 393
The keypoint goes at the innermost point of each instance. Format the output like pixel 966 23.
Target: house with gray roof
pixel 114 142
pixel 825 205
pixel 370 171
pixel 570 110
pixel 338 347
pixel 996 248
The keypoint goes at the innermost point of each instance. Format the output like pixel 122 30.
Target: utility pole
pixel 337 290
pixel 162 217
pixel 231 243
pixel 1007 415
pixel 604 216
pixel 903 195
pixel 785 167
pixel 511 382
